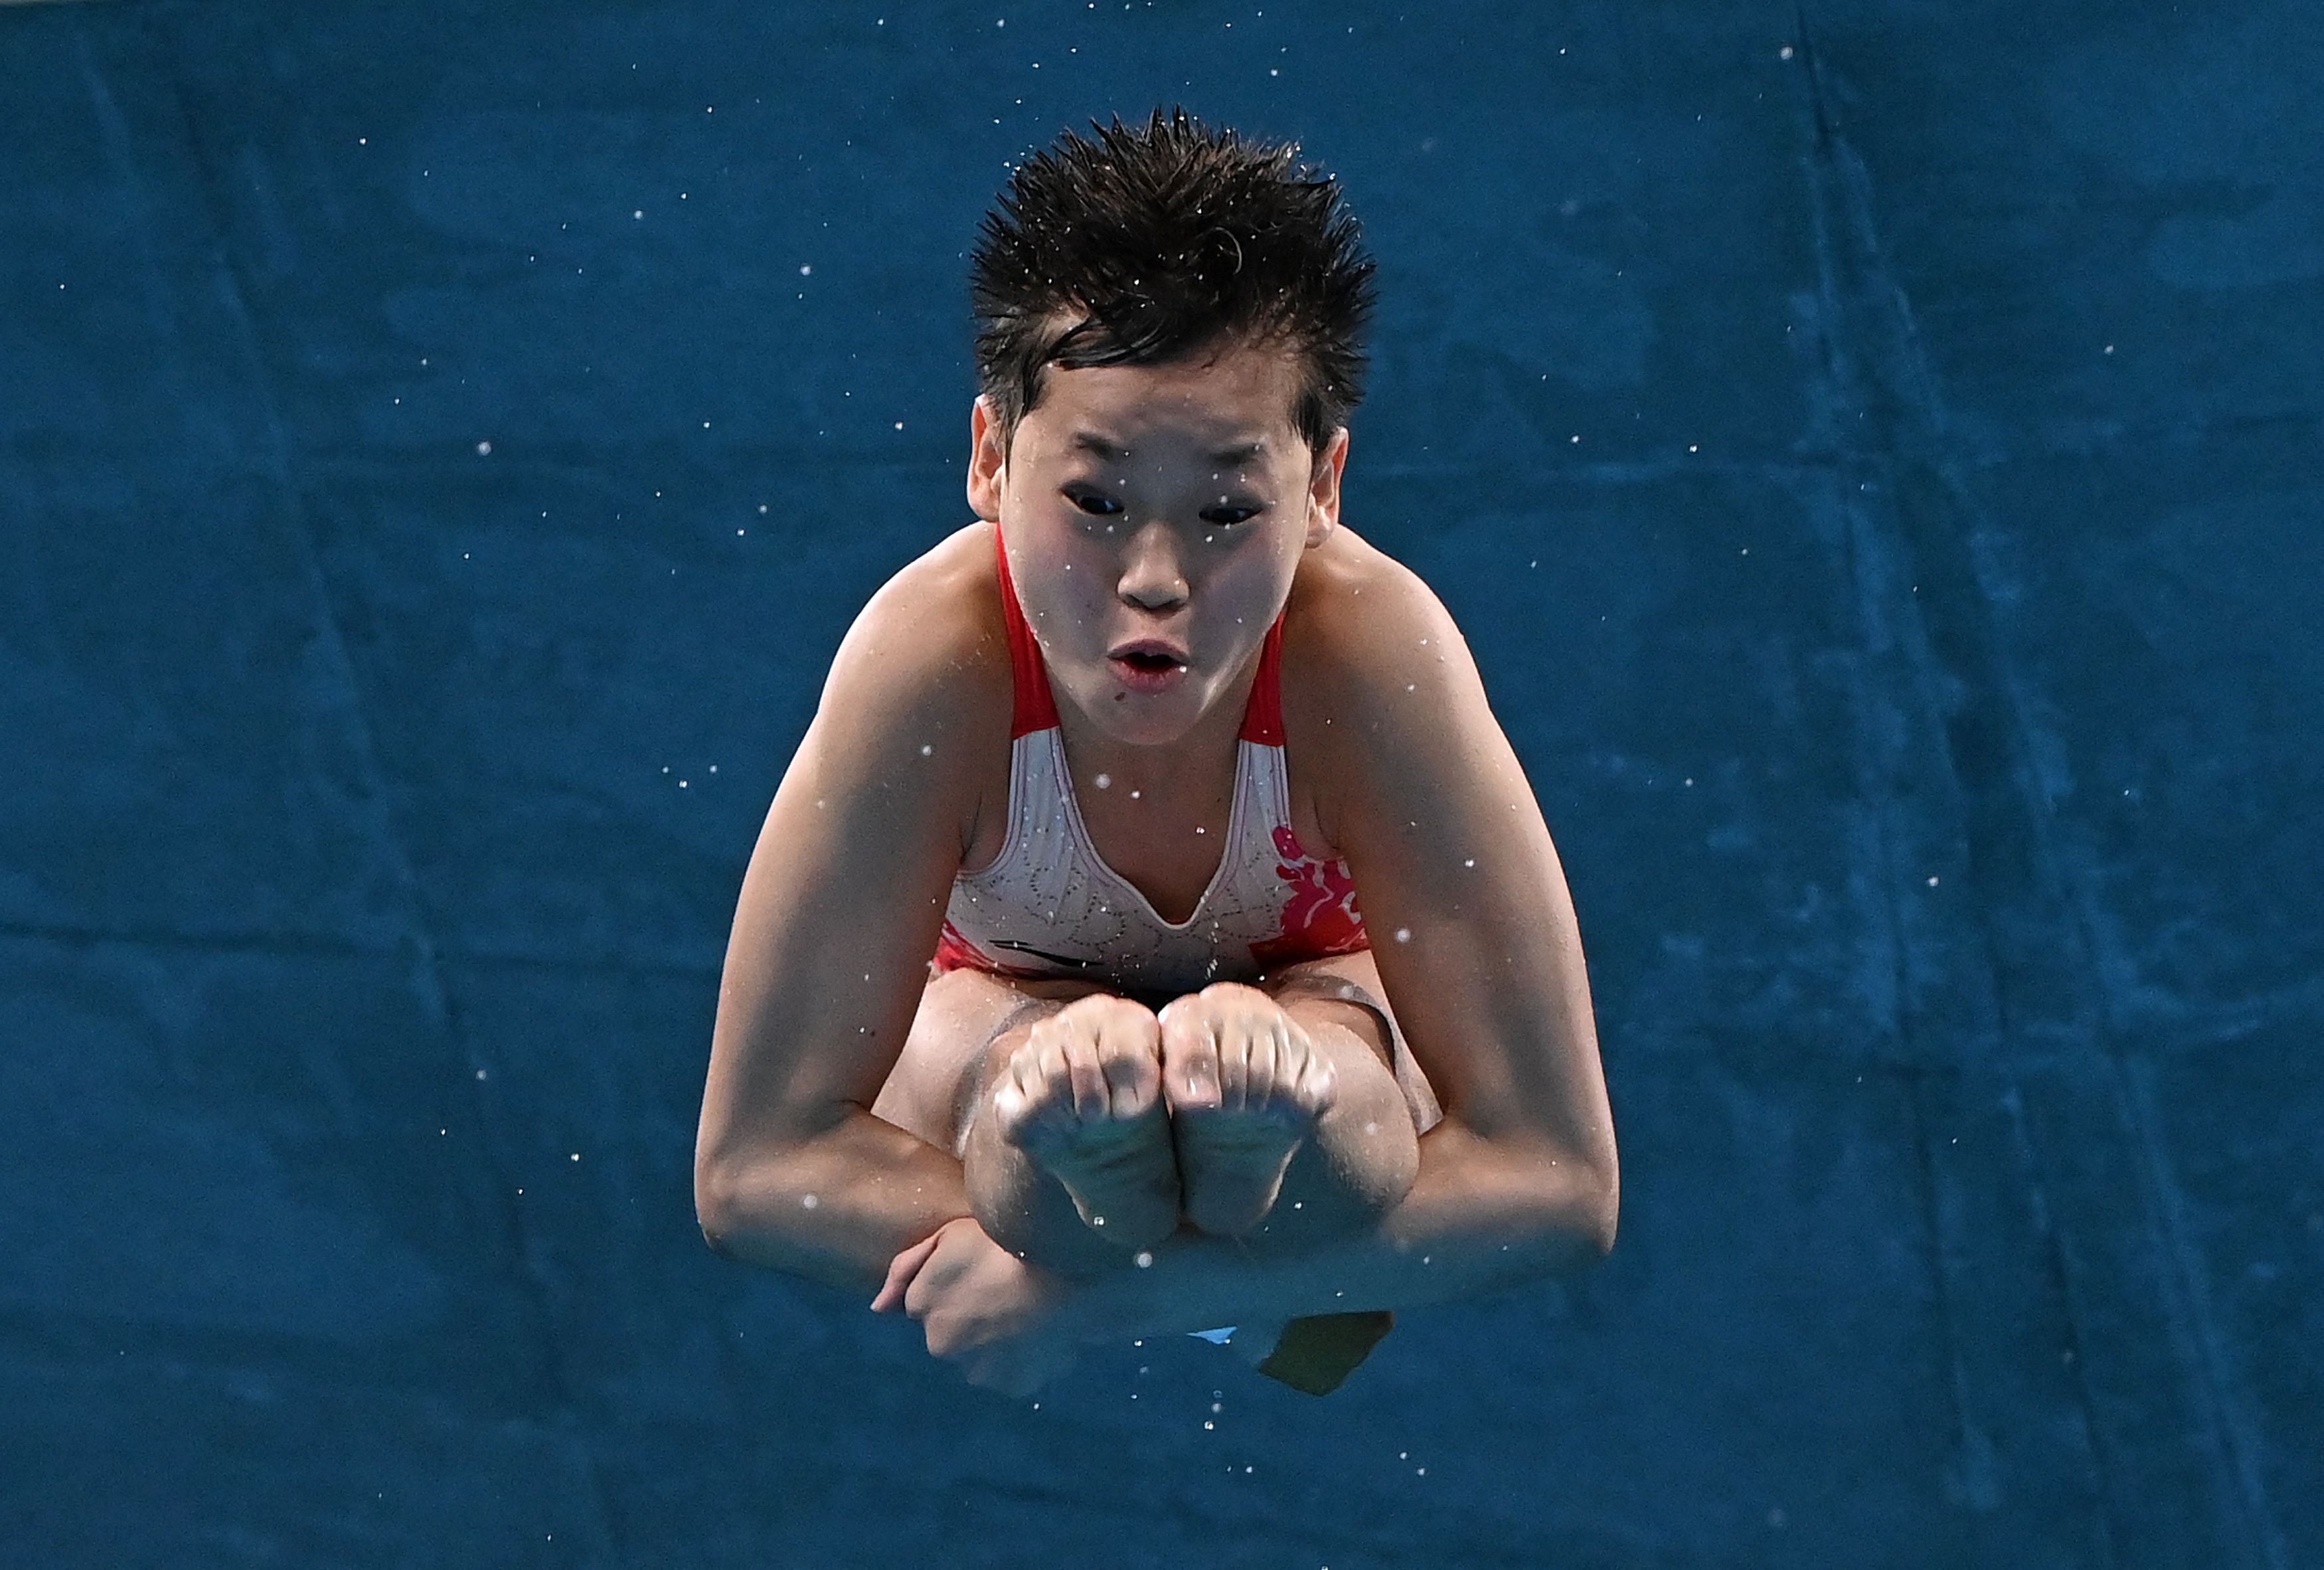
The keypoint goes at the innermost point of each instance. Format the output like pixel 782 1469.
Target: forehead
pixel 1220 397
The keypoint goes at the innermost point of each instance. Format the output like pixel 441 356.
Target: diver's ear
pixel 988 462
pixel 1324 489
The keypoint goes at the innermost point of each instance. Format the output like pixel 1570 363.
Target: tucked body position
pixel 1155 930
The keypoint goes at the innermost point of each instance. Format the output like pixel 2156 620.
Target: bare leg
pixel 1364 1154
pixel 1082 1097
pixel 1358 1162
pixel 970 1028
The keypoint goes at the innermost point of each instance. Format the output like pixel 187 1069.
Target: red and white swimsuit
pixel 1050 907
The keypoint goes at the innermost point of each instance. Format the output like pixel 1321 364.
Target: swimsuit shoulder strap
pixel 1262 717
pixel 1036 706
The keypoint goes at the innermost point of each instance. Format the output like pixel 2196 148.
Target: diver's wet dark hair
pixel 1153 243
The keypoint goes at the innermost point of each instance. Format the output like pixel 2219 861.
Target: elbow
pixel 741 1205
pixel 1583 1214
pixel 1601 1217
pixel 719 1207
pixel 712 1207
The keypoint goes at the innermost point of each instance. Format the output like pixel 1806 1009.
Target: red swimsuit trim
pixel 1321 917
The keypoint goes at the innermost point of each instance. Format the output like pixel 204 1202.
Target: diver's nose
pixel 1152 579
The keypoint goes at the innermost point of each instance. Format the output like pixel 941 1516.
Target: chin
pixel 1140 721
pixel 1147 730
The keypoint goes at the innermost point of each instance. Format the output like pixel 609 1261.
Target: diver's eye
pixel 1092 503
pixel 1235 515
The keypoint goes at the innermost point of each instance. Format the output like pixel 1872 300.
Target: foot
pixel 1082 1097
pixel 1245 1087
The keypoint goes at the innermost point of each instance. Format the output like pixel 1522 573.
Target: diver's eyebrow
pixel 1091 442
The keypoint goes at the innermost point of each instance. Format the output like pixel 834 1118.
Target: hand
pixel 997 1320
pixel 1094 1065
pixel 1233 1048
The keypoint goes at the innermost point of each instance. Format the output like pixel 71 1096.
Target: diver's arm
pixel 1480 953
pixel 1480 1218
pixel 839 912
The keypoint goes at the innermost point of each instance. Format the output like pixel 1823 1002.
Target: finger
pixel 1014 1088
pixel 1131 1055
pixel 1040 1067
pixel 1131 1084
pixel 1055 1067
pixel 1085 1073
pixel 901 1270
pixel 1270 1062
pixel 1319 1080
pixel 1009 1103
pixel 1190 1058
pixel 1234 1039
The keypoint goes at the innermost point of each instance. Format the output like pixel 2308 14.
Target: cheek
pixel 1249 585
pixel 1068 583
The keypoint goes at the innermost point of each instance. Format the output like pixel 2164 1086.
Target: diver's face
pixel 1154 517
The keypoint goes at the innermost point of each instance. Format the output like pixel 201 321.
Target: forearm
pixel 836 1208
pixel 1476 1219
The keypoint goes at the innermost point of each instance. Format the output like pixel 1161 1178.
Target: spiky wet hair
pixel 1152 243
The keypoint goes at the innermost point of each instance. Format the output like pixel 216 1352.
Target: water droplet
pixel 1144 1260
pixel 808 1201
pixel 1105 781
pixel 1403 935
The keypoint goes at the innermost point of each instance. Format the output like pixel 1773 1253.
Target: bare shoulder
pixel 1373 667
pixel 933 628
pixel 916 703
pixel 1351 598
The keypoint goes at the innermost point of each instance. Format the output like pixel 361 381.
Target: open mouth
pixel 1149 666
